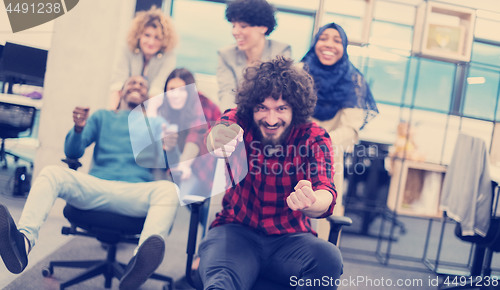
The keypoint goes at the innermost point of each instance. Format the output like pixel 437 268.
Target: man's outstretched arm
pixel 311 203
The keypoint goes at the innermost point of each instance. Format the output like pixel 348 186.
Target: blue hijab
pixel 340 85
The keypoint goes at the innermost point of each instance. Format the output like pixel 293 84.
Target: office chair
pixel 14 119
pixel 467 185
pixel 196 203
pixel 192 276
pixel 368 189
pixel 483 252
pixel 108 228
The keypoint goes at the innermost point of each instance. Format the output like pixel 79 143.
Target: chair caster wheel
pixel 47 271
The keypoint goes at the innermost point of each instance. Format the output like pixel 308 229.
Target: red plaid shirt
pixel 259 199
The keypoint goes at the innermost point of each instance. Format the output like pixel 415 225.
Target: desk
pixel 21 100
pixel 495 173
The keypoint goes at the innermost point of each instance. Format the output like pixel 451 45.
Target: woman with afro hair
pixel 252 21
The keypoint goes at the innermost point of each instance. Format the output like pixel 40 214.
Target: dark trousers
pixel 233 256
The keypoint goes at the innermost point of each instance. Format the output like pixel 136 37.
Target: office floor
pixel 362 270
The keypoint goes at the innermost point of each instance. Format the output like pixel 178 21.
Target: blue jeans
pixel 157 201
pixel 232 256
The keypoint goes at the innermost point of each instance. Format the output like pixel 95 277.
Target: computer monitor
pixel 1 51
pixel 23 64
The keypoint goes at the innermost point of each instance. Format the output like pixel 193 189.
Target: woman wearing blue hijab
pixel 345 103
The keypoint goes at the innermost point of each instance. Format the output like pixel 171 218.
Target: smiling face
pixel 177 93
pixel 273 119
pixel 247 36
pixel 135 91
pixel 150 41
pixel 329 48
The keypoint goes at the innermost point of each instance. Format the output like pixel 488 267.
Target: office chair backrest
pixel 467 193
pixel 15 119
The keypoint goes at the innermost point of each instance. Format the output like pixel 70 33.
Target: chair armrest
pixel 339 220
pixel 72 163
pixel 336 223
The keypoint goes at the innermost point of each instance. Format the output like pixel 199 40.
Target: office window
pixel 309 5
pixel 435 85
pixel 481 94
pixel 413 68
pixel 353 26
pixel 386 75
pixel 457 125
pixel 294 29
pixel 497 115
pixel 391 35
pixel 389 52
pixel 394 12
pixel 429 133
pixel 478 128
pixel 346 7
pixel 454 127
pixel 203 29
pixel 348 14
pixel 487 54
pixel 357 56
pixel 487 26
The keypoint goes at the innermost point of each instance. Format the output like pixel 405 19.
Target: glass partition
pixel 482 89
pixel 203 29
pixel 435 85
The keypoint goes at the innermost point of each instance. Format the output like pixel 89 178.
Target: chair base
pixel 109 268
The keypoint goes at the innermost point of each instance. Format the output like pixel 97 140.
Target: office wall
pixel 79 66
pixel 38 36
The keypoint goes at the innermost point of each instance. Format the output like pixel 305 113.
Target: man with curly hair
pixel 264 228
pixel 252 21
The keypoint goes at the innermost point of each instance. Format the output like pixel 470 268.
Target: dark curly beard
pixel 271 141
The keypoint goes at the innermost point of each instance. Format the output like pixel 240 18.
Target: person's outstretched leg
pixel 157 201
pixel 149 256
pixel 12 243
pixel 53 182
pixel 162 202
pixel 78 189
pixel 230 258
pixel 298 260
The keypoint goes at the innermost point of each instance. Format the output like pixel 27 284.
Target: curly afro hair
pixel 253 12
pixel 277 78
